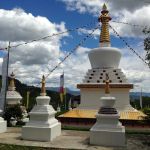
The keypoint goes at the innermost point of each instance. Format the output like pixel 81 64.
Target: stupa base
pixel 41 133
pixel 3 125
pixel 110 137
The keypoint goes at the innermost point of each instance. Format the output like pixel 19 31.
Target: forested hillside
pixel 35 91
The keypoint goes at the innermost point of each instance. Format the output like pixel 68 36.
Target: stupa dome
pixel 13 97
pixel 104 57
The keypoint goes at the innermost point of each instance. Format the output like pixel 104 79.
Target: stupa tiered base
pixel 42 125
pixel 13 98
pixel 32 132
pixel 3 125
pixel 107 131
pixel 93 87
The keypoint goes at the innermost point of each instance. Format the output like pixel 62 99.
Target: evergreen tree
pixel 146 31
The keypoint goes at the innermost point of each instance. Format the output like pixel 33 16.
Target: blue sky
pixel 24 20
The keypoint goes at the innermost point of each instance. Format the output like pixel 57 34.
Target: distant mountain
pixel 136 95
pixel 55 89
pixel 133 95
pixel 35 91
pixel 69 91
pixel 75 93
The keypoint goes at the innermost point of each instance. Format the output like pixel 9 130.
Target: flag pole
pixel 6 88
pixel 65 98
pixel 141 99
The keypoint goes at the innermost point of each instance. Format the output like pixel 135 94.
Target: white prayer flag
pixel 4 80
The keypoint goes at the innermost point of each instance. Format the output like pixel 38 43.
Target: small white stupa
pixel 107 130
pixel 12 97
pixel 58 108
pixel 70 105
pixel 42 125
pixel 3 125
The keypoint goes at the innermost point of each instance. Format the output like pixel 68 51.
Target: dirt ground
pixel 73 140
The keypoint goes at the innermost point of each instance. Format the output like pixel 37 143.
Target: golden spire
pixel 104 19
pixel 107 89
pixel 104 7
pixel 12 82
pixel 43 90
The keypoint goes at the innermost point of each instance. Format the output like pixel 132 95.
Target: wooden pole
pixel 28 97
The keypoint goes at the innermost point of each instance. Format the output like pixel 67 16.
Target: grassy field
pixel 129 130
pixel 17 147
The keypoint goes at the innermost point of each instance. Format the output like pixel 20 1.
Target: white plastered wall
pixel 90 98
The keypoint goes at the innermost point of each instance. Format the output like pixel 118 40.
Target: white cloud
pixel 30 61
pixel 121 10
pixel 24 26
pixel 136 71
pixel 35 53
pixel 76 66
pixel 82 50
pixel 138 17
pixel 94 6
pixel 95 34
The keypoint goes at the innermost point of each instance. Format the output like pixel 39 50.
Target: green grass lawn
pixel 129 130
pixel 17 147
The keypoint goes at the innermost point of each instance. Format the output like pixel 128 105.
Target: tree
pixel 13 111
pixel 146 31
pixel 147 112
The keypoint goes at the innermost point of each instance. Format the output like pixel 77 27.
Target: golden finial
pixel 104 19
pixel 104 7
pixel 43 90
pixel 12 82
pixel 107 89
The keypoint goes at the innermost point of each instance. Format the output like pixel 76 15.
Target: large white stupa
pixel 104 59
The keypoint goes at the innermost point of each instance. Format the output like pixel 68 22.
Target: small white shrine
pixel 42 126
pixel 107 131
pixel 12 97
pixel 3 125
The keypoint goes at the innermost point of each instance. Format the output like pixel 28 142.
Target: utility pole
pixel 6 87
